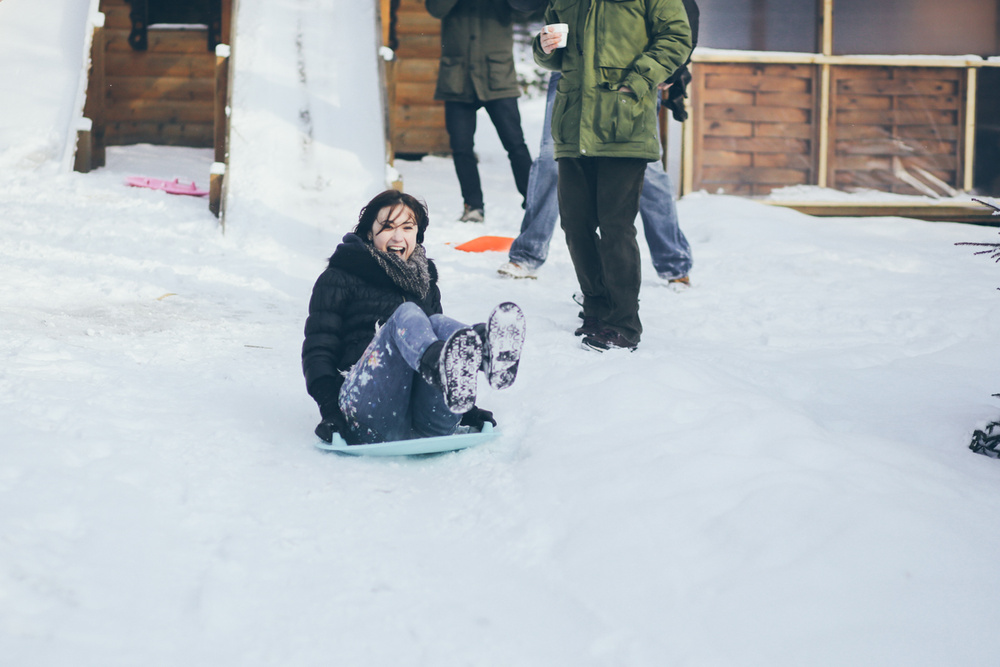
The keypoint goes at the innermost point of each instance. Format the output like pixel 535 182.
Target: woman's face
pixel 395 231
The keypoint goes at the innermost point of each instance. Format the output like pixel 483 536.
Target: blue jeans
pixel 669 248
pixel 384 396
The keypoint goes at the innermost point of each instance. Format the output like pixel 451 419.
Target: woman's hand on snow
pixel 477 417
pixel 331 424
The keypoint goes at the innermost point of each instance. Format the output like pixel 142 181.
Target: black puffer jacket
pixel 350 297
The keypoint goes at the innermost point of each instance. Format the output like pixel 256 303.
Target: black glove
pixel 331 424
pixel 676 94
pixel 477 417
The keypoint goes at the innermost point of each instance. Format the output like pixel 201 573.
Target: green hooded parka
pixel 612 43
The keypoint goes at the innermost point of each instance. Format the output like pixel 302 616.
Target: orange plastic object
pixel 487 243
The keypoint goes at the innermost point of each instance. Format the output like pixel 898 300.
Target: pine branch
pixel 996 209
pixel 991 249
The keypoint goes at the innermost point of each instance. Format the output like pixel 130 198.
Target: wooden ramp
pixel 945 211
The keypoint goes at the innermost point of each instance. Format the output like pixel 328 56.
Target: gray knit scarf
pixel 410 275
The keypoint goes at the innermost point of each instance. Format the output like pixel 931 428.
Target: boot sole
pixel 461 357
pixel 504 340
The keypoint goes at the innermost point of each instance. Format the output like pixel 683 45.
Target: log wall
pixel 417 119
pixel 164 95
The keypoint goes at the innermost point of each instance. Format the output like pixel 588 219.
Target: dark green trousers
pixel 598 204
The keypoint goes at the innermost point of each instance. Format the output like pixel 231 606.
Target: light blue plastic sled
pixel 435 445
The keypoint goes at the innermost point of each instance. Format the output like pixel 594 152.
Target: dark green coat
pixel 477 50
pixel 613 43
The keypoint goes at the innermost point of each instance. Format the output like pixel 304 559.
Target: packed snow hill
pixel 780 475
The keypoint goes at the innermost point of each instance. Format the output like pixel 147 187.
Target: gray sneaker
pixel 512 270
pixel 473 215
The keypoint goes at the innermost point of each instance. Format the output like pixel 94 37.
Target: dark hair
pixel 392 199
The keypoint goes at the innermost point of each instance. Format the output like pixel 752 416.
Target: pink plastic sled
pixel 174 187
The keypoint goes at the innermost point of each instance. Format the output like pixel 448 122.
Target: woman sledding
pixel 379 358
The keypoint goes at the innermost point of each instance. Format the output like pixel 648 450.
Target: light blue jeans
pixel 384 396
pixel 669 248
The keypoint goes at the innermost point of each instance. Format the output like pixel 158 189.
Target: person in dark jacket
pixel 477 70
pixel 380 359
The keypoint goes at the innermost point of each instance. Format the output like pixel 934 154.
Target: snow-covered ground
pixel 779 476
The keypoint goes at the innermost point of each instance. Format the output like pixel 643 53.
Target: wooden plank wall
pixel 755 126
pixel 417 119
pixel 892 126
pixel 164 95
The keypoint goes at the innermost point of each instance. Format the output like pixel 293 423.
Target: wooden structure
pixel 157 85
pixel 164 94
pixel 416 120
pixel 901 124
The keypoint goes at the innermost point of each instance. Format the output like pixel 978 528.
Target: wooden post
pixel 823 128
pixel 220 129
pixel 385 14
pixel 84 146
pixel 970 128
pixel 688 148
pixel 221 122
pixel 661 124
pixel 215 183
pixel 93 107
pixel 97 91
pixel 225 36
pixel 824 28
pixel 824 39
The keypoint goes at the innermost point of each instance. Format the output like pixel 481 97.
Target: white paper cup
pixel 562 29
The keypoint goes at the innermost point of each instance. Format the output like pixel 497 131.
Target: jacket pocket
pixel 619 117
pixel 566 129
pixel 500 69
pixel 451 76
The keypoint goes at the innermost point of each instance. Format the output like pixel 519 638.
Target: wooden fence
pixel 901 124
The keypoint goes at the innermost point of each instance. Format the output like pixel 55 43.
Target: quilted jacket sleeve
pixel 325 335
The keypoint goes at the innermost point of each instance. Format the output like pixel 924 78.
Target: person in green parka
pixel 604 128
pixel 477 70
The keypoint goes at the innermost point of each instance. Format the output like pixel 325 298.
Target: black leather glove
pixel 477 417
pixel 331 424
pixel 674 99
pixel 325 391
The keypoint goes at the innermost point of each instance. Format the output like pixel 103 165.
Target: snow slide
pixel 307 112
pixel 48 61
